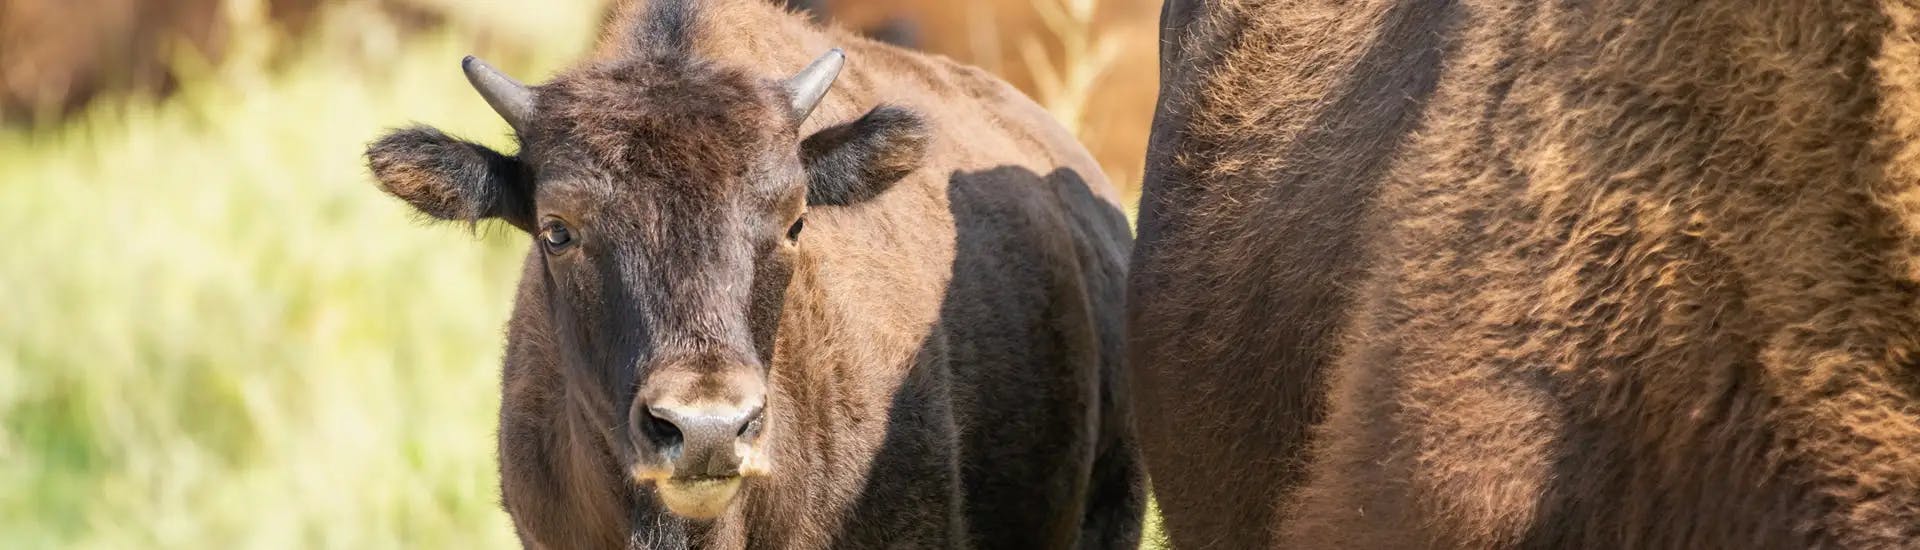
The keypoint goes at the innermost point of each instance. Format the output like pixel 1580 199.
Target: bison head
pixel 666 198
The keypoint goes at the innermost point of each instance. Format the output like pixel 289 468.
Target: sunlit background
pixel 215 332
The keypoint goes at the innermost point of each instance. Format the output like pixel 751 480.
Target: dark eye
pixel 793 233
pixel 555 235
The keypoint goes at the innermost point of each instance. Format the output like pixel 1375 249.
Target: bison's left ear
pixel 856 161
pixel 452 179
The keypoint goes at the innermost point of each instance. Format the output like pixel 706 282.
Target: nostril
pixel 662 430
pixel 751 428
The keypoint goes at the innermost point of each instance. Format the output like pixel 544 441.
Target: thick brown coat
pixel 943 356
pixel 1515 274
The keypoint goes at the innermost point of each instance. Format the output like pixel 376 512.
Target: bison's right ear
pixel 452 179
pixel 856 161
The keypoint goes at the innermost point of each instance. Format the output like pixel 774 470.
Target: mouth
pixel 701 498
pixel 698 495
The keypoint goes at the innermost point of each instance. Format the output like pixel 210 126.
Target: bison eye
pixel 793 233
pixel 555 235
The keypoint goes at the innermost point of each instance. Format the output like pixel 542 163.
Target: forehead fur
pixel 666 117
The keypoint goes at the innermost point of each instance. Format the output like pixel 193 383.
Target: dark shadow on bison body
pixel 1241 267
pixel 1028 469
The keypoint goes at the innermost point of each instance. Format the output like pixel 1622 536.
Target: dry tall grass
pixel 1086 52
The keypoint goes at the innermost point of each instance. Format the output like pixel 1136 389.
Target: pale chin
pixel 697 499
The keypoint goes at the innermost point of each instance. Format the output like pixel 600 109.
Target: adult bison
pixel 1518 274
pixel 756 313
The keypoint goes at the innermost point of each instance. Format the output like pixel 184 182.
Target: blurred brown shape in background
pixel 1093 63
pixel 57 55
pixel 1090 62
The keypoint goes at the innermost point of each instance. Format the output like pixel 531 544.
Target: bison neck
pixel 841 363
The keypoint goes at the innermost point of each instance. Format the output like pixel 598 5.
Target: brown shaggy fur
pixel 1514 274
pixel 941 344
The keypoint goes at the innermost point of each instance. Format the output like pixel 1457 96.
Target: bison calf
pixel 787 307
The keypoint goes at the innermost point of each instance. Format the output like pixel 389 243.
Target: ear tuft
pixel 858 161
pixel 448 178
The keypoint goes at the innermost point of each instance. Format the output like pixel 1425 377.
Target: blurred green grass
pixel 218 334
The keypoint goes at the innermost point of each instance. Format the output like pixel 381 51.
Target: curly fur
pixel 1492 274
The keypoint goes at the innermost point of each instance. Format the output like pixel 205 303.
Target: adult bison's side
pixel 1517 274
pixel 769 304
